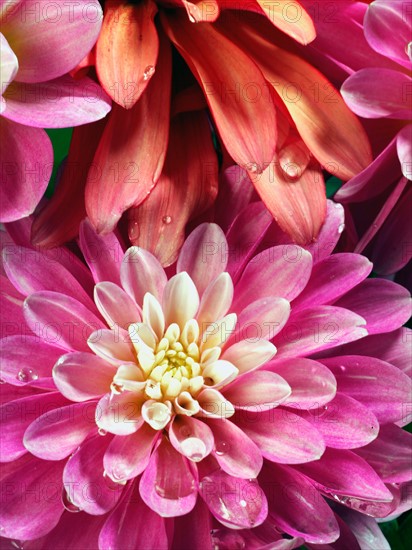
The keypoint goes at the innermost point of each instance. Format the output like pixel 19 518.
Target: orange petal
pixel 202 10
pixel 59 220
pixel 298 206
pixel 330 130
pixel 131 153
pixel 127 49
pixel 234 87
pixel 187 187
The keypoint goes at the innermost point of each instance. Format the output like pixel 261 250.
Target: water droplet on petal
pixel 102 432
pixel 341 228
pixel 253 167
pixel 2 382
pixel 408 50
pixel 68 504
pixel 149 72
pixel 27 375
pixel 224 539
pixel 17 544
pixel 167 220
pixel 194 449
pixel 222 447
pixel 111 483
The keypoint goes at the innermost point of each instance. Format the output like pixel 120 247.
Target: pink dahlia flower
pixel 39 43
pixel 217 405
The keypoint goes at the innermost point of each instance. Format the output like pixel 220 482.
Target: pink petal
pixel 385 305
pixel 133 525
pixel 83 477
pixel 216 300
pixel 389 454
pixel 52 39
pixel 127 457
pixel 119 414
pixel 195 526
pixel 263 318
pixel 293 499
pixel 275 433
pixel 312 384
pixel 203 255
pixel 60 320
pixel 258 391
pixel 366 530
pixel 26 270
pixel 57 433
pixel 141 272
pixel 103 254
pixel 82 376
pixel 318 328
pixel 404 149
pixel 278 271
pixel 31 517
pixel 333 277
pixel 117 307
pixel 167 485
pixel 329 234
pixel 247 356
pixel 237 503
pixel 344 422
pixel 17 415
pixel 234 187
pixel 378 93
pixel 235 452
pixel 9 65
pixel 342 472
pixel 23 352
pixel 57 103
pixel 114 346
pixel 25 179
pixel 380 386
pixel 191 437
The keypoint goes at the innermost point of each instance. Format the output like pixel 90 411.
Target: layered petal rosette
pixel 40 42
pixel 215 405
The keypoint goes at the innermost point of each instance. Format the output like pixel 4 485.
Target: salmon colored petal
pixel 201 10
pixel 185 188
pixel 237 93
pixel 126 51
pixel 330 130
pixel 291 18
pixel 60 218
pixel 131 152
pixel 298 206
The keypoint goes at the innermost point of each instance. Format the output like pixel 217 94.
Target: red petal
pixel 327 126
pixel 59 220
pixel 234 87
pixel 127 49
pixel 131 153
pixel 298 206
pixel 187 186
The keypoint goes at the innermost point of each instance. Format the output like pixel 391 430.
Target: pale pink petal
pixel 280 271
pixel 60 320
pixel 216 300
pixel 127 457
pixel 153 315
pixel 344 473
pixel 52 39
pixel 57 103
pixel 83 477
pixel 378 93
pixel 229 500
pixel 168 491
pixel 263 318
pixel 380 386
pixel 203 255
pixel 282 436
pixel 103 253
pixel 214 405
pixel 191 438
pixel 59 432
pixel 312 384
pixel 235 452
pixel 25 178
pixel 404 150
pixel 318 328
pixel 82 376
pixel 117 307
pixel 343 422
pixel 247 356
pixel 133 525
pixel 219 373
pixel 218 333
pixel 119 414
pixel 366 530
pixel 114 346
pixel 141 272
pixel 384 305
pixel 31 517
pixel 9 64
pixel 292 505
pixel 258 391
pixel 180 300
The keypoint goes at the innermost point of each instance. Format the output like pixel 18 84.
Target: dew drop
pixel 223 539
pixel 222 447
pixel 148 72
pixel 194 449
pixel 408 50
pixel 102 432
pixel 68 504
pixel 26 375
pixel 167 220
pixel 112 484
pixel 341 228
pixel 253 167
pixel 342 368
pixel 17 544
pixel 2 382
